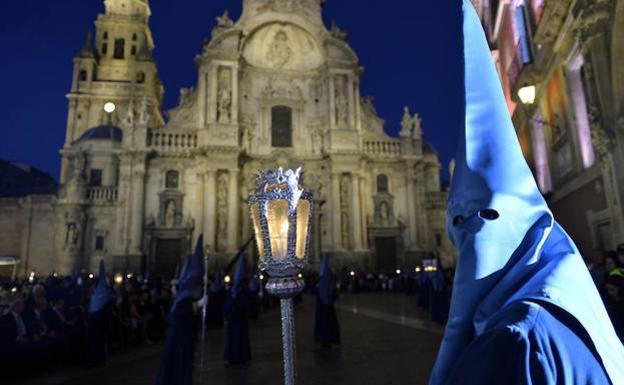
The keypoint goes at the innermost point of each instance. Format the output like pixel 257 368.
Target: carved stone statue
pixel 144 113
pixel 224 105
pixel 406 123
pixel 170 214
pixel 224 20
pixel 337 32
pixel 279 52
pixel 129 120
pixel 342 105
pixel 417 132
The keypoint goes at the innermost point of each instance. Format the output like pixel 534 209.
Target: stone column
pixel 213 83
pixel 234 112
pixel 210 208
pixel 356 213
pixel 200 203
pixel 233 220
pixel 358 117
pixel 411 206
pixel 351 96
pixel 335 210
pixel 332 102
pixel 138 206
pixel 202 92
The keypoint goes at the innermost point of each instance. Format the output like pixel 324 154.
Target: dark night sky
pixel 410 51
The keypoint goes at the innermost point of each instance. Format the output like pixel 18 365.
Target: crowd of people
pixel 607 271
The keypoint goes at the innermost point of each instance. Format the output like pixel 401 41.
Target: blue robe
pixel 176 366
pixel 326 327
pixel 237 347
pixel 530 343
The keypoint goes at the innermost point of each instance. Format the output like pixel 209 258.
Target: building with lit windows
pixel 561 64
pixel 276 87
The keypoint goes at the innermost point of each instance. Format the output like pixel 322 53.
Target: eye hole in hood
pixel 489 214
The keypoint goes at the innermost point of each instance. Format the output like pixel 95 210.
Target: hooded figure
pixel 439 303
pixel 237 348
pixel 176 365
pixel 254 297
pixel 98 320
pixel 524 309
pixel 326 327
pixel 216 301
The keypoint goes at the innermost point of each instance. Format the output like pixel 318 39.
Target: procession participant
pixel 524 308
pixel 237 348
pixel 326 327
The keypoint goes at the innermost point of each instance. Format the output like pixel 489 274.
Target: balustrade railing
pixel 383 148
pixel 171 141
pixel 102 194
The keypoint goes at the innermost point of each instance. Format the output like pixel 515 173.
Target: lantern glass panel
pixel 255 216
pixel 303 220
pixel 277 219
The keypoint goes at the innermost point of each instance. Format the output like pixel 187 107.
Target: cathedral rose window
pixel 281 126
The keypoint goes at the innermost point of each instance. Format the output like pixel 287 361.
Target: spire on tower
pixel 87 50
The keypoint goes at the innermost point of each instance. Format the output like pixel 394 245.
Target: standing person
pixel 237 348
pixel 326 327
pixel 524 308
pixel 439 303
pixel 216 301
pixel 98 320
pixel 176 364
pixel 254 297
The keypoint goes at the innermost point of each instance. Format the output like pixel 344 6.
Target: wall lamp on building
pixel 526 94
pixel 281 212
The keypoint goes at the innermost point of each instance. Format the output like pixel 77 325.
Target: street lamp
pixel 526 94
pixel 109 107
pixel 281 212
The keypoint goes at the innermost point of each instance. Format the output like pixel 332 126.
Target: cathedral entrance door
pixel 168 256
pixel 385 253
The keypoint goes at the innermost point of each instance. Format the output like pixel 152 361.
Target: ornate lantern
pixel 281 212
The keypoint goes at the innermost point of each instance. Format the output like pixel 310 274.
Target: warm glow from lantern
pixel 352 273
pixel 277 216
pixel 417 269
pixel 118 278
pixel 227 279
pixel 109 107
pixel 527 94
pixel 398 271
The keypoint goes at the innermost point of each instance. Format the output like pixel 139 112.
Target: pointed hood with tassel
pixel 510 247
pixel 239 276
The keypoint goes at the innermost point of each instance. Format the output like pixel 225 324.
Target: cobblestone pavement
pixel 386 340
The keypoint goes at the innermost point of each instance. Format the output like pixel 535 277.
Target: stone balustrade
pixel 171 141
pixel 382 148
pixel 102 194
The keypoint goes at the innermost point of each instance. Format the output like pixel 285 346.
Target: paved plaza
pixel 386 340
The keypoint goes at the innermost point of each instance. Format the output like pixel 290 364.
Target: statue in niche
pixel 222 209
pixel 170 214
pixel 342 105
pixel 129 120
pixel 224 104
pixel 407 123
pixel 337 32
pixel 383 213
pixel 73 228
pixel 144 114
pixel 279 52
pixel 417 133
pixel 317 140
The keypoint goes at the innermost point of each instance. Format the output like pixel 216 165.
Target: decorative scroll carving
pixel 342 104
pixel 222 210
pixel 279 52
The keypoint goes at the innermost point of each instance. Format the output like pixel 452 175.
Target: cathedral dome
pixel 103 132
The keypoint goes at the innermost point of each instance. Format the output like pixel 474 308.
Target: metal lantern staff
pixel 281 213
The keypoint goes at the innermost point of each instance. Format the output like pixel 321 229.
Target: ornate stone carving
pixel 283 90
pixel 224 96
pixel 337 32
pixel 342 104
pixel 184 114
pixel 224 20
pixel 170 211
pixel 345 209
pixel 74 224
pixel 279 52
pixel 222 210
pixel 417 132
pixel 144 111
pixel 602 140
pixel 406 123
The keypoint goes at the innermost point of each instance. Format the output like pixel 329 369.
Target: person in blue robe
pixel 237 346
pixel 326 326
pixel 439 302
pixel 254 297
pixel 216 301
pixel 176 364
pixel 98 319
pixel 524 308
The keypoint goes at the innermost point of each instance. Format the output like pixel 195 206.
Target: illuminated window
pixel 172 179
pixel 281 126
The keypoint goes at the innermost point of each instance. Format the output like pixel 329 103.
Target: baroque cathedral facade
pixel 275 88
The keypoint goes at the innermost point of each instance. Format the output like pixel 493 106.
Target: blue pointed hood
pixel 239 276
pixel 191 274
pixel 217 285
pixel 325 286
pixel 101 295
pixel 510 247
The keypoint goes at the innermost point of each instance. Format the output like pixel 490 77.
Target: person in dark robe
pixel 524 308
pixel 176 364
pixel 237 347
pixel 216 301
pixel 15 347
pixel 439 302
pixel 326 327
pixel 254 297
pixel 423 287
pixel 98 320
